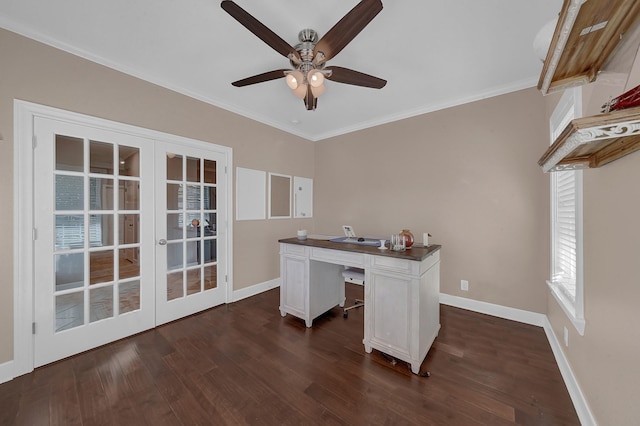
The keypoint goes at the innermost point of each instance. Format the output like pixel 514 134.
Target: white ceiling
pixel 433 53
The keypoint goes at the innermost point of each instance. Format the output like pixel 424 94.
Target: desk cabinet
pixel 297 270
pixel 293 292
pixel 402 308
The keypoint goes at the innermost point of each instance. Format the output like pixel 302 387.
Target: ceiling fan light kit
pixel 316 78
pixel 294 79
pixel 317 91
pixel 308 58
pixel 300 91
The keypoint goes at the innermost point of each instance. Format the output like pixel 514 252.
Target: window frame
pixel 574 309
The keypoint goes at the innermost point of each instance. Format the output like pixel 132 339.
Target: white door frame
pixel 23 212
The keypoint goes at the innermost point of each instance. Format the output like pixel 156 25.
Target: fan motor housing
pixel 308 39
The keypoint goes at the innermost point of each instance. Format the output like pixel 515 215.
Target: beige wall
pixel 37 73
pixel 605 359
pixel 469 176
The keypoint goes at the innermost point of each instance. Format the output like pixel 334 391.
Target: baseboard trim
pixel 255 289
pixel 579 401
pixel 6 371
pixel 513 314
pixel 539 320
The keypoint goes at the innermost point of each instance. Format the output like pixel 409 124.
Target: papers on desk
pixel 351 240
pixel 321 237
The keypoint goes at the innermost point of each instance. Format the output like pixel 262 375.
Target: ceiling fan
pixel 308 58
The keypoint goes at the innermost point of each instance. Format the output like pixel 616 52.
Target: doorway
pixel 129 227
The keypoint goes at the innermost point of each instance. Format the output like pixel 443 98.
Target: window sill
pixel 567 307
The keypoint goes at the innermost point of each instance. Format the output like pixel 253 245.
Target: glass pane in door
pixel 209 171
pixel 101 157
pixel 69 192
pixel 210 278
pixel 101 302
pixel 69 310
pixel 101 266
pixel 129 159
pixel 174 286
pixel 69 270
pixel 129 296
pixel 69 152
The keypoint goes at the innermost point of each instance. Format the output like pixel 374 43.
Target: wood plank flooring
pixel 243 364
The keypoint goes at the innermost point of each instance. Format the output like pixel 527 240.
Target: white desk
pixel 401 291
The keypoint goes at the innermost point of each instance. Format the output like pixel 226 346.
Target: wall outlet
pixel 566 337
pixel 464 285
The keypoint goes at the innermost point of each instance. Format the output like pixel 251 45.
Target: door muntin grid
pixel 192 241
pixel 97 236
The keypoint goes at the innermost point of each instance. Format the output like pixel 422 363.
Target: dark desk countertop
pixel 416 252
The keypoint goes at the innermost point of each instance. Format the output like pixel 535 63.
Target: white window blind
pixel 566 221
pixel 70 230
pixel 95 223
pixel 564 232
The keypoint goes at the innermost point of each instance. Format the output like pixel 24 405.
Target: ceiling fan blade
pixel 258 28
pixel 259 78
pixel 310 101
pixel 356 78
pixel 347 28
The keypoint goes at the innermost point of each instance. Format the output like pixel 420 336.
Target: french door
pixel 190 230
pixel 129 234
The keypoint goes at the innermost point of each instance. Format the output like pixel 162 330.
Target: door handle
pixel 162 242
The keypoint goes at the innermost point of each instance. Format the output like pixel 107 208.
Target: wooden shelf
pixel 585 37
pixel 591 142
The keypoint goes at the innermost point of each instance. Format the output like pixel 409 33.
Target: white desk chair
pixel 356 276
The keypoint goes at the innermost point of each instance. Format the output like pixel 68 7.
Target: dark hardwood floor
pixel 245 364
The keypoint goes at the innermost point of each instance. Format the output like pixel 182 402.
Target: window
pixel 566 221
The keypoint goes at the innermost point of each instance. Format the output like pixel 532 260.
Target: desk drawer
pixel 427 263
pixel 295 250
pixel 337 257
pixel 403 266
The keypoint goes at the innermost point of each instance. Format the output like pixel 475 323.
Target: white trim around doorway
pixel 23 260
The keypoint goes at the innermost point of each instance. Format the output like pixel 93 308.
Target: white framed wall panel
pixel 302 197
pixel 251 194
